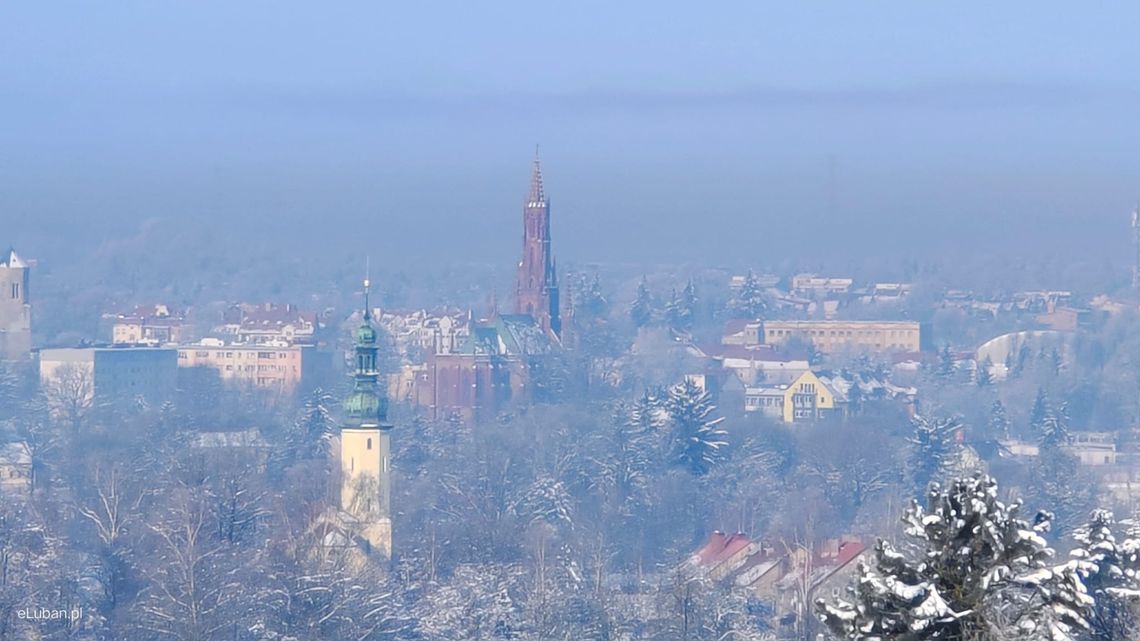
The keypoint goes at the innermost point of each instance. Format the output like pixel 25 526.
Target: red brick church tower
pixel 536 292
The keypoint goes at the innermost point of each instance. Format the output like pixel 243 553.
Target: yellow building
pixel 805 398
pixel 832 336
pixel 263 366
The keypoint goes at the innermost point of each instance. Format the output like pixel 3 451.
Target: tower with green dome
pixel 365 445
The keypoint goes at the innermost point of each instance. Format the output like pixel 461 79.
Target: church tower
pixel 536 290
pixel 365 447
pixel 15 312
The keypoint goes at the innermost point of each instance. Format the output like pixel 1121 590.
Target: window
pixel 369 446
pixel 15 290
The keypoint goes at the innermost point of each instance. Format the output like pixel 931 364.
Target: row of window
pixel 230 355
pixel 897 333
pixel 259 368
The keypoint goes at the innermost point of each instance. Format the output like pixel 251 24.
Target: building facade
pixel 15 308
pixel 269 324
pixel 147 325
pixel 272 367
pixel 833 336
pixel 536 288
pixel 112 375
pixel 489 368
pixel 805 398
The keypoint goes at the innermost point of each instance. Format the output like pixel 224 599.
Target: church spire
pixel 537 196
pixel 367 287
pixel 366 404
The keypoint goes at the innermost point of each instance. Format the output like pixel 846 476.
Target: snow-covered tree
pixel 641 313
pixel 649 413
pixel 946 366
pixel 623 462
pixel 681 308
pixel 476 602
pixel 999 420
pixel 697 438
pixel 1110 574
pixel 546 500
pixel 975 569
pixel 591 300
pixel 933 445
pixel 311 433
pixel 1054 427
pixel 750 301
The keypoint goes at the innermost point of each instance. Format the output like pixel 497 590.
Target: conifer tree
pixel 750 301
pixel 999 421
pixel 932 448
pixel 697 438
pixel 984 376
pixel 642 310
pixel 976 570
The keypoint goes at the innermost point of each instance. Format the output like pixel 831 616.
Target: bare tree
pixel 71 394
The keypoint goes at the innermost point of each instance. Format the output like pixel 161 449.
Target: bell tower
pixel 365 446
pixel 15 311
pixel 536 289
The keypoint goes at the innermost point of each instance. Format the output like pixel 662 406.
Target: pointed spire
pixel 367 287
pixel 537 195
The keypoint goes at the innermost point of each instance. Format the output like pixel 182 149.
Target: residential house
pixel 819 286
pixel 807 397
pixel 151 325
pixel 269 323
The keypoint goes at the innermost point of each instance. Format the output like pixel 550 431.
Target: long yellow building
pixel 831 336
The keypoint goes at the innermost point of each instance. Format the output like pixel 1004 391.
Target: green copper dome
pixel 365 334
pixel 367 403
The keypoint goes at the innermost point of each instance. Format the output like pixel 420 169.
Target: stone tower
pixel 366 448
pixel 536 290
pixel 15 310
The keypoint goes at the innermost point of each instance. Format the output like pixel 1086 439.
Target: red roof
pixel 848 551
pixel 721 546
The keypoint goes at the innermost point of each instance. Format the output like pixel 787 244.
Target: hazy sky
pixel 726 132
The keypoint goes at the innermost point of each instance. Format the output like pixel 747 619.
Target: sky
pixel 734 132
